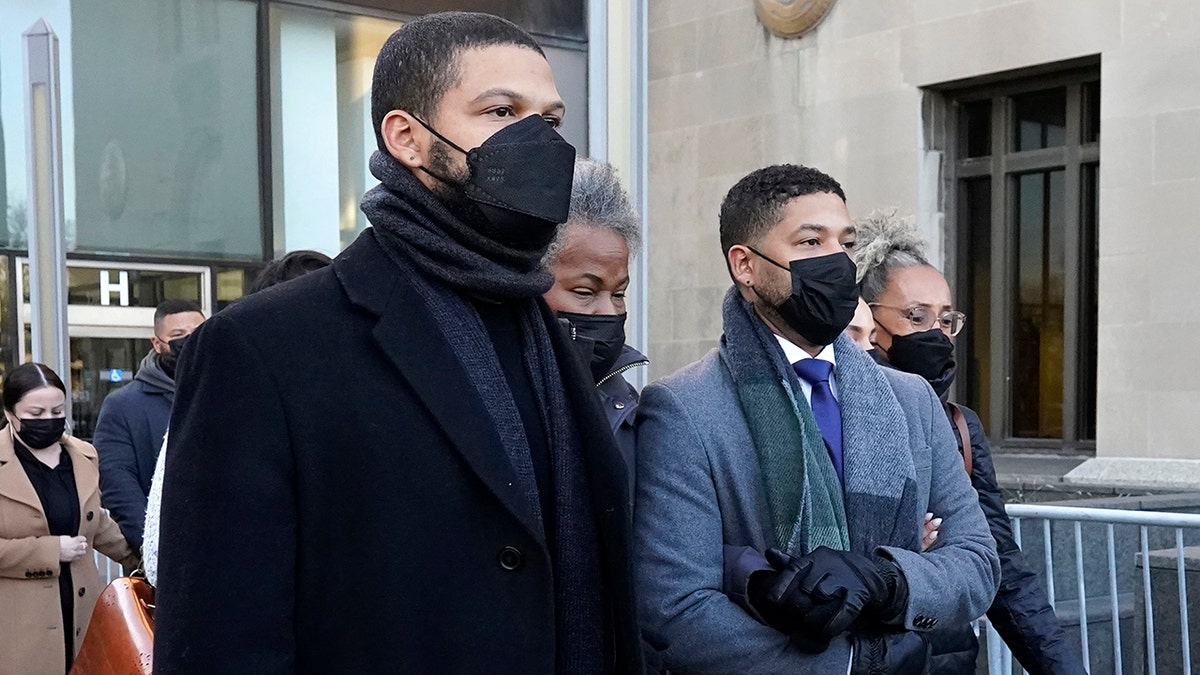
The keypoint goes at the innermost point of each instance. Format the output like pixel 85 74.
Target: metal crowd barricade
pixel 1000 660
pixel 109 570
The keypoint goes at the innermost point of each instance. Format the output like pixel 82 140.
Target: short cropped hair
pixel 290 266
pixel 419 62
pixel 169 307
pixel 598 200
pixel 755 203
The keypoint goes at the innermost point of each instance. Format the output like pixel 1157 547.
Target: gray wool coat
pixel 699 491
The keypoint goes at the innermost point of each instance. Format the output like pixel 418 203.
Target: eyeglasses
pixel 924 318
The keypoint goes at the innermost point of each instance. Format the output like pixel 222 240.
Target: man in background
pixel 134 418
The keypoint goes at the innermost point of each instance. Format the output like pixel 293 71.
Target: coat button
pixel 28 574
pixel 619 406
pixel 510 558
pixel 81 592
pixel 90 515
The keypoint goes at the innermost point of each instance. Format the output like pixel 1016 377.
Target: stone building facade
pixel 1050 152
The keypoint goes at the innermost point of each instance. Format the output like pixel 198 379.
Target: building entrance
pixel 110 316
pixel 99 366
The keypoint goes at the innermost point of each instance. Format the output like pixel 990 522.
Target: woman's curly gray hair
pixel 885 243
pixel 598 200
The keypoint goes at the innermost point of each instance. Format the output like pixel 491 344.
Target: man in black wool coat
pixel 397 464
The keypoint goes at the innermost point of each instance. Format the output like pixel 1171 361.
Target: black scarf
pixel 449 264
pixel 410 218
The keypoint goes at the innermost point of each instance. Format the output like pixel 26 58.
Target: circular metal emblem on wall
pixel 791 18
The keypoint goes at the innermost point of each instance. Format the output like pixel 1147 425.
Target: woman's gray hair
pixel 598 200
pixel 885 243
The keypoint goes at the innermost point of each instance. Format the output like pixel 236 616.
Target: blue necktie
pixel 825 407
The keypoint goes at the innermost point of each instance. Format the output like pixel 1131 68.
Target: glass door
pixel 100 366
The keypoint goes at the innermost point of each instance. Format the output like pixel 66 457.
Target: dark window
pixel 977 217
pixel 977 129
pixel 1037 314
pixel 1089 305
pixel 1091 112
pixel 1039 120
pixel 231 284
pixel 1027 176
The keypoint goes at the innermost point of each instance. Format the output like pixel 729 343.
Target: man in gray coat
pixel 782 480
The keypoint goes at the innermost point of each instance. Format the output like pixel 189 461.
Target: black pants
pixel 66 596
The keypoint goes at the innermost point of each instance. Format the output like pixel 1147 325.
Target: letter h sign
pixel 107 288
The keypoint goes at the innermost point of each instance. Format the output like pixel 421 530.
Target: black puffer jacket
pixel 619 400
pixel 1021 612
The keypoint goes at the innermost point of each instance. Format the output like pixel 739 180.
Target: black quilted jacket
pixel 1021 612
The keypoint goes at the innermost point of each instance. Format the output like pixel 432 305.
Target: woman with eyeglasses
pixel 915 320
pixel 50 520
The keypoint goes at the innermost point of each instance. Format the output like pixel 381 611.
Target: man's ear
pixel 740 265
pixel 401 132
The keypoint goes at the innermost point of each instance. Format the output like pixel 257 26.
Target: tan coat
pixel 31 626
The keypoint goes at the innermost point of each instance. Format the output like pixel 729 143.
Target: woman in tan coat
pixel 50 520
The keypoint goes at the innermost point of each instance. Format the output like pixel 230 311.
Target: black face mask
pixel 42 432
pixel 929 354
pixel 169 359
pixel 824 296
pixel 600 339
pixel 520 178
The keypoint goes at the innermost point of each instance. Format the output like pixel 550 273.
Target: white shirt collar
pixel 793 353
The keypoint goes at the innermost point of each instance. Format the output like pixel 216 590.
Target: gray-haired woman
pixel 915 320
pixel 590 261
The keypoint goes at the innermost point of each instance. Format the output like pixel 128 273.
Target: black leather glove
pixel 828 590
pixel 898 653
pixel 796 620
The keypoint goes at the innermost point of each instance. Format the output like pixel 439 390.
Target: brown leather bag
pixel 120 636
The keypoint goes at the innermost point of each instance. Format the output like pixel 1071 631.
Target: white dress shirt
pixel 793 354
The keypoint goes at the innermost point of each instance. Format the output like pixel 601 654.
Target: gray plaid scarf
pixel 802 489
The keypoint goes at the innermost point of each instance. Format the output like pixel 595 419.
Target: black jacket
pixel 620 400
pixel 1021 611
pixel 335 502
